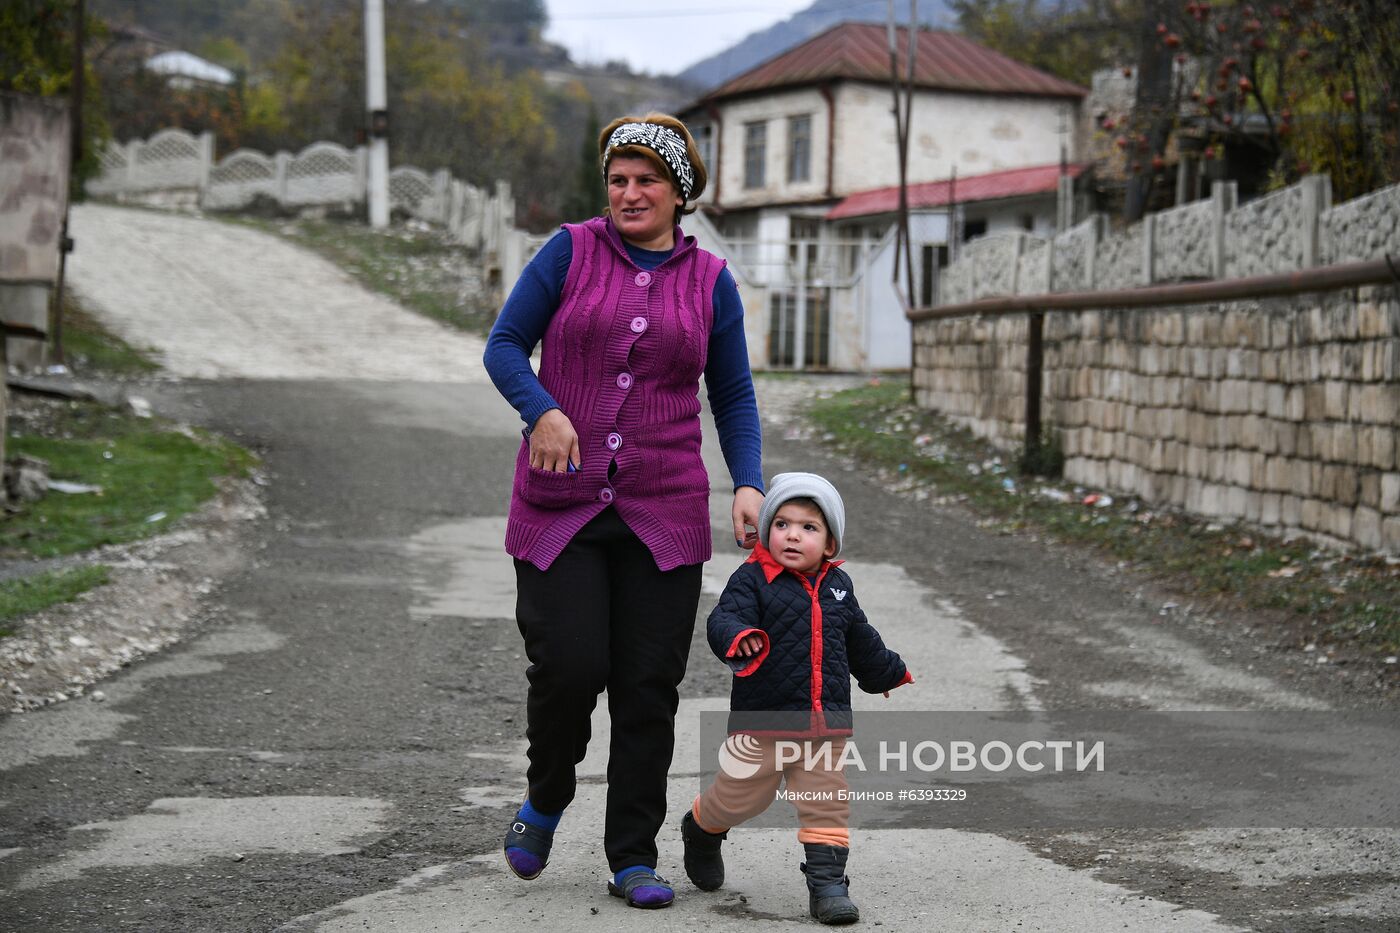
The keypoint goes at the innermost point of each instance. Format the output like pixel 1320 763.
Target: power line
pixel 699 11
pixel 666 14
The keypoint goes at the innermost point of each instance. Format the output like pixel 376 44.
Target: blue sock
pixel 528 814
pixel 528 864
pixel 622 875
pixel 658 894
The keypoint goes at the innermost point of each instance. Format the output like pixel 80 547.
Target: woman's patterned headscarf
pixel 664 141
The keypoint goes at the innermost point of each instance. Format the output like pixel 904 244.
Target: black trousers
pixel 603 617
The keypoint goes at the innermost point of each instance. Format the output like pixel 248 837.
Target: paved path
pixel 341 749
pixel 221 301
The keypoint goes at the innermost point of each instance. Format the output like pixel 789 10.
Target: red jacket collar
pixel 771 568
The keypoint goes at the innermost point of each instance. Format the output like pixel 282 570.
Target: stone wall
pixel 1284 412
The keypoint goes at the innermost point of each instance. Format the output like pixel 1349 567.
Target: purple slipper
pixel 643 888
pixel 527 849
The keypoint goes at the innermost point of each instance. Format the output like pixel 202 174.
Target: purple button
pixel 639 324
pixel 614 441
pixel 606 495
pixel 624 380
pixel 643 279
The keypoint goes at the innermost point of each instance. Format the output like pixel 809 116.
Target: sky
pixel 661 37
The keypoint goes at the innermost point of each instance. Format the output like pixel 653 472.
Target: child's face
pixel 798 538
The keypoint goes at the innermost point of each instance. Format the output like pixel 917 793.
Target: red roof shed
pixel 1011 183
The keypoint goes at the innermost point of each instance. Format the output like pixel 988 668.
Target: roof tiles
pixel 859 51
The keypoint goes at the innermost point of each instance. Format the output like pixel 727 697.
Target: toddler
pixel 789 626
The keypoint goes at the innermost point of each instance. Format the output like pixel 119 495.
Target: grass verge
pixel 419 269
pixel 149 473
pixel 1342 598
pixel 88 348
pixel 31 594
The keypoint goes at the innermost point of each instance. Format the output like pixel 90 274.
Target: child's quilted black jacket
pixel 814 640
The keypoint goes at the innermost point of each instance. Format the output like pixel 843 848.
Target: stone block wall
pixel 973 370
pixel 1284 412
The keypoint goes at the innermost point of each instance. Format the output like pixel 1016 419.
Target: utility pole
pixel 75 155
pixel 904 248
pixel 376 102
pixel 1064 187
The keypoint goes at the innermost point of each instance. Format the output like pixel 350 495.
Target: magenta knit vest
pixel 623 356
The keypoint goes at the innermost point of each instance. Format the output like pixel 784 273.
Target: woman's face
pixel 642 201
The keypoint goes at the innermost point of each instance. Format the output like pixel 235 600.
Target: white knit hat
pixel 786 486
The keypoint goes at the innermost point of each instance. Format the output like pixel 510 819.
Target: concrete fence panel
pixel 1118 260
pixel 112 171
pixel 239 178
pixel 993 260
pixel 1278 232
pixel 322 173
pixel 1033 267
pixel 1183 243
pixel 169 159
pixel 1072 269
pixel 1362 228
pixel 410 190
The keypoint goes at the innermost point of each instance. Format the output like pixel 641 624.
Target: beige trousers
pixel 818 793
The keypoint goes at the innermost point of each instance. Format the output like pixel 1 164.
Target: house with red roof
pixel 804 180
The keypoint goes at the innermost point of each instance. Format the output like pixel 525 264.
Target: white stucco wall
pixel 978 133
pixel 774 109
pixel 877 336
pixel 1006 216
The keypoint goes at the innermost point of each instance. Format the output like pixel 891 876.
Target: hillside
pixel 820 16
pixel 471 87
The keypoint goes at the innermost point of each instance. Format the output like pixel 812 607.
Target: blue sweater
pixel 729 384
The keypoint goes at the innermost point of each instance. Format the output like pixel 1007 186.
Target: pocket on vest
pixel 548 489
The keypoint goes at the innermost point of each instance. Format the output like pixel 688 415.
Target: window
pixel 739 226
pixel 755 154
pixel 782 329
pixel 932 259
pixel 705 143
pixel 804 232
pixel 799 148
pixel 741 230
pixel 974 228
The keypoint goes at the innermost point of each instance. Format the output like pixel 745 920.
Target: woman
pixel 609 515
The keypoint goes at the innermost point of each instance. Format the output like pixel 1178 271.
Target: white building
pixel 186 70
pixel 803 160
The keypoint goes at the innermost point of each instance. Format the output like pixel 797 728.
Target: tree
pixel 1262 92
pixel 36 57
pixel 1272 93
pixel 588 196
pixel 465 92
pixel 1070 40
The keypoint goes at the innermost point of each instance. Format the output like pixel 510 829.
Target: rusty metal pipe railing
pixel 1325 278
pixel 1322 279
